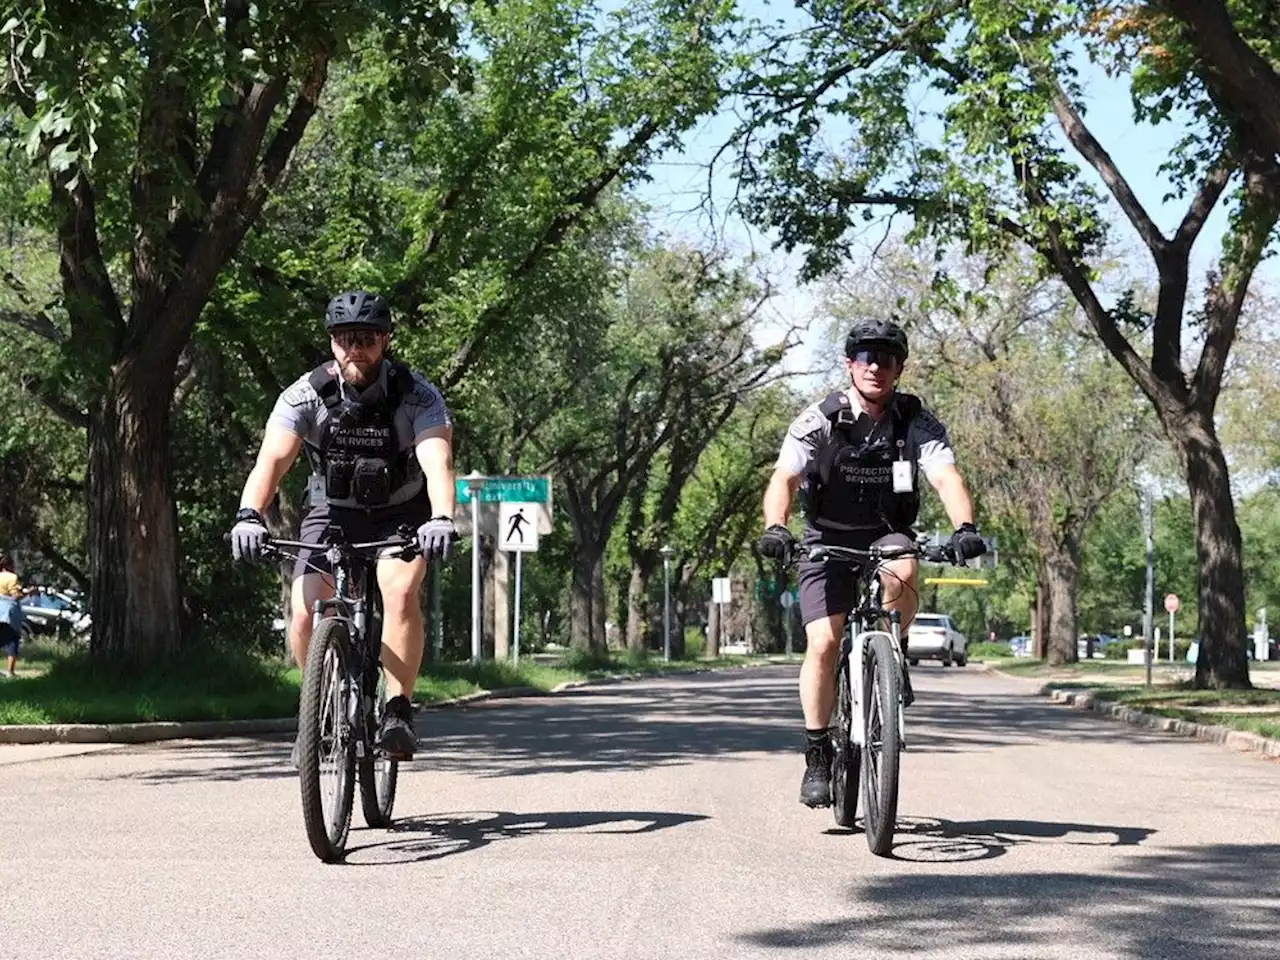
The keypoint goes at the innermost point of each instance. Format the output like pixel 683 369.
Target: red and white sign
pixel 1171 602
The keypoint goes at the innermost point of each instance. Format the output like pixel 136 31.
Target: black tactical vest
pixel 360 455
pixel 850 481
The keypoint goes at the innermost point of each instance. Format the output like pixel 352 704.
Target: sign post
pixel 1171 604
pixel 667 553
pixel 517 533
pixel 474 483
pixel 787 600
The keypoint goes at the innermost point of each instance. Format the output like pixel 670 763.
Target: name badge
pixel 315 489
pixel 902 482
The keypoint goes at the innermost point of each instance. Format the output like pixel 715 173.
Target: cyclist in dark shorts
pixel 380 443
pixel 857 456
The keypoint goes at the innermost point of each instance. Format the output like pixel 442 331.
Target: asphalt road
pixel 658 819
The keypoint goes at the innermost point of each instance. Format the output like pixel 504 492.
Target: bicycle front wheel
pixel 378 773
pixel 326 748
pixel 846 759
pixel 881 692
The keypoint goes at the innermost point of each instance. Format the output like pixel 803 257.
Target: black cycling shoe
pixel 815 788
pixel 908 695
pixel 396 736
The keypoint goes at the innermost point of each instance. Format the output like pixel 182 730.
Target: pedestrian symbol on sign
pixel 517 528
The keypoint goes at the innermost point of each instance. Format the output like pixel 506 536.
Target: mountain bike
pixel 344 693
pixel 868 729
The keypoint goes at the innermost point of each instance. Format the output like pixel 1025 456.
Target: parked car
pixel 1020 646
pixel 50 611
pixel 935 637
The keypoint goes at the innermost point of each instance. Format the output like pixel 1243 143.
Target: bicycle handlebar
pixel 932 553
pixel 406 544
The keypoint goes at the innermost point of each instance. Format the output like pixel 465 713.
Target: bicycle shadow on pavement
pixel 422 839
pixel 1210 902
pixel 934 840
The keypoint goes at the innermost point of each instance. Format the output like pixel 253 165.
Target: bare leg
pixel 818 674
pixel 402 626
pixel 307 589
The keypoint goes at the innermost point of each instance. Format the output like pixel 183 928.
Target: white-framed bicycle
pixel 868 726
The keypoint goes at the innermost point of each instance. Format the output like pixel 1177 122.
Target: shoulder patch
pixel 810 425
pixel 929 426
pixel 299 394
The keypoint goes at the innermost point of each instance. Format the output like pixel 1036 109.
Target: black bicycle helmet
pixel 358 308
pixel 885 334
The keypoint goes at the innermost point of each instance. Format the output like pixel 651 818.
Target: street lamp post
pixel 1148 614
pixel 666 552
pixel 475 480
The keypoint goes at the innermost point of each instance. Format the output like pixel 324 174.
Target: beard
pixel 360 375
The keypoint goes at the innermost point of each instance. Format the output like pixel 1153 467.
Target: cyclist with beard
pixel 857 456
pixel 379 439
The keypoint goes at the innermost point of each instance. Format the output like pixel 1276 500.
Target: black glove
pixel 436 536
pixel 966 543
pixel 777 542
pixel 248 536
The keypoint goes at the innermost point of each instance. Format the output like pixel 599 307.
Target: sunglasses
pixel 356 338
pixel 881 358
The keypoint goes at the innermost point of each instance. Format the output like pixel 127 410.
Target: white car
pixel 934 637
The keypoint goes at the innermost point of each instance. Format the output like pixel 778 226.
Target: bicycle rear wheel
pixel 847 755
pixel 326 760
pixel 378 773
pixel 881 692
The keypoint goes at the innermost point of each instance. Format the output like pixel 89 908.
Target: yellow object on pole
pixel 954 582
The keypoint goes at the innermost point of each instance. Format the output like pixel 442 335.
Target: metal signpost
pixel 517 533
pixel 473 485
pixel 666 552
pixel 1171 604
pixel 486 494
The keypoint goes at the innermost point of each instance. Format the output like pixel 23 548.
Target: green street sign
pixel 507 490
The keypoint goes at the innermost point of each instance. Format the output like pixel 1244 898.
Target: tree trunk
pixel 586 623
pixel 1062 576
pixel 133 535
pixel 1222 662
pixel 639 610
pixel 599 604
pixel 712 649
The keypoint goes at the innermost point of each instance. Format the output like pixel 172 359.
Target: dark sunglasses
pixel 881 358
pixel 355 338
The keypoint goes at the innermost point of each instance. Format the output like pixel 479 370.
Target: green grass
pixel 1024 667
pixel 209 686
pixel 74 689
pixel 1183 703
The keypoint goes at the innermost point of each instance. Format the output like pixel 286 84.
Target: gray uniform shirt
pixel 420 411
pixel 809 431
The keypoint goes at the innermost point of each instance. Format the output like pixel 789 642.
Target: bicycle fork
pixel 858 682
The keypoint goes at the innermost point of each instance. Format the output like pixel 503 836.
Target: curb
pixel 1240 740
pixel 210 729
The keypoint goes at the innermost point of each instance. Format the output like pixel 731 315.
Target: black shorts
pixel 360 526
pixel 827 589
pixel 10 640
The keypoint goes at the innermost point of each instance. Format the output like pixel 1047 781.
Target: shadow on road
pixel 679 720
pixel 1206 902
pixel 418 839
pixel 927 840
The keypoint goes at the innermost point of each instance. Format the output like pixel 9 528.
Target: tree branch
pixel 1245 82
pixel 90 298
pixel 1202 205
pixel 1225 300
pixel 1073 274
pixel 1088 147
pixel 55 401
pixel 37 323
pixel 573 210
